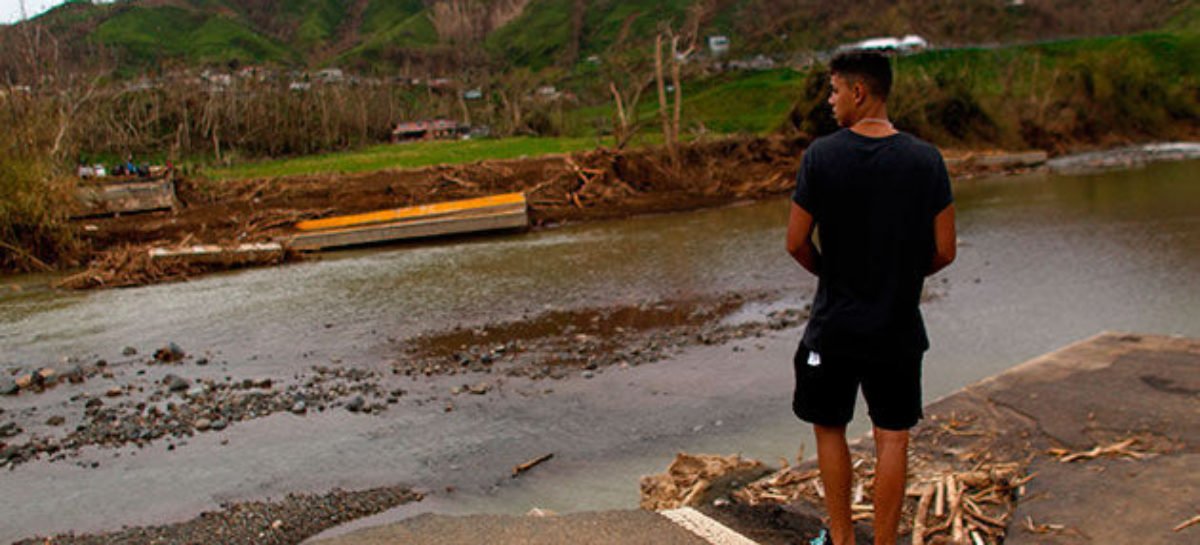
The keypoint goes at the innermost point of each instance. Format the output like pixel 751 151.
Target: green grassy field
pixel 406 155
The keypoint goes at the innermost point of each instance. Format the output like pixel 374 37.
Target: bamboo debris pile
pixel 127 266
pixel 139 265
pixel 952 506
pixel 966 507
pixel 784 486
pixel 687 479
pixel 732 167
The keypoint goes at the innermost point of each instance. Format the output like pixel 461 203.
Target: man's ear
pixel 860 92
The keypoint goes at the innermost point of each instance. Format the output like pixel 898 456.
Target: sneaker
pixel 821 539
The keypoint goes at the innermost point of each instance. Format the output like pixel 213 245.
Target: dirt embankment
pixel 582 186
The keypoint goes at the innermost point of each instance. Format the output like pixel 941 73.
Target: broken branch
pixel 1186 523
pixel 521 468
pixel 1121 448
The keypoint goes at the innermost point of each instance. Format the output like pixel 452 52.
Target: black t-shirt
pixel 873 201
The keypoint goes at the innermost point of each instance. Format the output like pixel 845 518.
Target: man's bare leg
pixel 891 472
pixel 833 457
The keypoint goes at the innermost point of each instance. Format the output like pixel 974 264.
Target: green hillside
pixel 541 35
pixel 148 36
pixel 379 35
pixel 389 27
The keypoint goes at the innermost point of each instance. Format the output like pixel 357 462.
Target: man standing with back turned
pixel 872 217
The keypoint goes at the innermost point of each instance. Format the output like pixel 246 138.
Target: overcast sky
pixel 10 10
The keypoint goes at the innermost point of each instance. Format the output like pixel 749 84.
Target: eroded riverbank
pixel 585 186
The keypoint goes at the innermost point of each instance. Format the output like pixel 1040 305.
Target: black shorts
pixel 825 393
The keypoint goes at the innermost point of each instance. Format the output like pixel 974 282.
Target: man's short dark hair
pixel 870 67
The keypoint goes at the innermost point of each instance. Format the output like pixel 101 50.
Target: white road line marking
pixel 708 529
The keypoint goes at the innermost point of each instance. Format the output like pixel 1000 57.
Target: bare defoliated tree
pixel 514 86
pixel 41 66
pixel 628 76
pixel 578 12
pixel 670 115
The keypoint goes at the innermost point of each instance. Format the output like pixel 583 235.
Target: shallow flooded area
pixel 1044 260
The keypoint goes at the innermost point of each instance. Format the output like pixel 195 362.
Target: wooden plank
pixel 403 230
pixel 257 252
pixel 493 203
pixel 124 197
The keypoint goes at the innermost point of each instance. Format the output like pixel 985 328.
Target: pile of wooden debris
pixel 688 478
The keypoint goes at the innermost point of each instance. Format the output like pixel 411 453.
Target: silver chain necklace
pixel 879 120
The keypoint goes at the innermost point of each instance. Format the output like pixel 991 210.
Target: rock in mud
pixel 129 351
pixel 169 353
pixel 9 453
pixel 8 386
pixel 26 381
pixel 46 377
pixel 219 425
pixel 355 404
pixel 479 389
pixel 74 374
pixel 203 424
pixel 299 407
pixel 176 383
pixel 9 429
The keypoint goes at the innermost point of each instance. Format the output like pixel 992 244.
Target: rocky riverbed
pixel 166 397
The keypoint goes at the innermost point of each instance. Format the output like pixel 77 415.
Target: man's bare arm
pixel 799 243
pixel 945 240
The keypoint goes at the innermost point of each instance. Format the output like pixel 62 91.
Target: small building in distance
pixel 908 44
pixel 432 129
pixel 331 75
pixel 718 45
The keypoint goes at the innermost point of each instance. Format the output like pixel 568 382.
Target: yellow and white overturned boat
pixel 495 212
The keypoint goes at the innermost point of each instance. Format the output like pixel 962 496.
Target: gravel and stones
pixel 179 408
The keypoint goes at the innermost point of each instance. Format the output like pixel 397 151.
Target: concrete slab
pixel 1110 501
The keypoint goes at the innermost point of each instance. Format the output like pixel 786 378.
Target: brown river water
pixel 1044 260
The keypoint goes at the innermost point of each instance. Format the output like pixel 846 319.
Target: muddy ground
pixel 583 186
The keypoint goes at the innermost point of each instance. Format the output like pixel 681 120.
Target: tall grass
pixel 34 196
